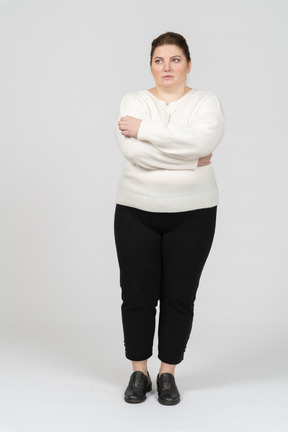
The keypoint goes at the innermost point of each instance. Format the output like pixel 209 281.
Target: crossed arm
pixel 154 145
pixel 129 127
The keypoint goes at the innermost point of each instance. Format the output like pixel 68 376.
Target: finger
pixel 123 125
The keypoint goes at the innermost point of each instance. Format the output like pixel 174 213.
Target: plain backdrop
pixel 64 67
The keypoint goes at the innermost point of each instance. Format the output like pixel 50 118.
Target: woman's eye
pixel 175 60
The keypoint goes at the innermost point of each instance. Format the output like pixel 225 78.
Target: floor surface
pixel 42 390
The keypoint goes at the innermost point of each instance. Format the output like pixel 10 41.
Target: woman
pixel 165 212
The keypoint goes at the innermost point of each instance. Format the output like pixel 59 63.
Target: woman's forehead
pixel 167 50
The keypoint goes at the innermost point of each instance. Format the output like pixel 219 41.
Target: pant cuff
pixel 141 357
pixel 170 360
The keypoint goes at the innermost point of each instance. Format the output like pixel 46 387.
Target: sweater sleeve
pixel 197 139
pixel 143 153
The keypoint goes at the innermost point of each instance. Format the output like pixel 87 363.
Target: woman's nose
pixel 167 67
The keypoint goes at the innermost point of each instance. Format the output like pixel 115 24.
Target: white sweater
pixel 160 172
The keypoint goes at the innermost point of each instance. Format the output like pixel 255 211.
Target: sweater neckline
pixel 173 102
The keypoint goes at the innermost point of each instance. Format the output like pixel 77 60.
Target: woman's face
pixel 169 66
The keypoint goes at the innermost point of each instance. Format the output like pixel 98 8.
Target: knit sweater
pixel 160 172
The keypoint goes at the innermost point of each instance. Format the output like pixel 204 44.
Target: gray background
pixel 64 67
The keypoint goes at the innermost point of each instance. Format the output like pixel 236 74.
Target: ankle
pixel 140 366
pixel 145 372
pixel 166 371
pixel 167 368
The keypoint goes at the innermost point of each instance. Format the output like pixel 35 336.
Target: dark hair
pixel 170 38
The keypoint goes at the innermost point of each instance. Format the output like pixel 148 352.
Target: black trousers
pixel 161 257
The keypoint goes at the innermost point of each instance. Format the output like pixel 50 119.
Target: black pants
pixel 161 257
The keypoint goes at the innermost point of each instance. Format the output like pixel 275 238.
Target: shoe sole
pixel 168 403
pixel 135 401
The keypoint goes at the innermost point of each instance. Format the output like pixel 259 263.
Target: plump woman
pixel 165 214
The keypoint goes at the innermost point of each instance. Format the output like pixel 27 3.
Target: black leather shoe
pixel 168 393
pixel 138 386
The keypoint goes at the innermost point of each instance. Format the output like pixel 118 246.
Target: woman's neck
pixel 169 95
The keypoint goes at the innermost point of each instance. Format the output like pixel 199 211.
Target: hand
pixel 205 160
pixel 129 126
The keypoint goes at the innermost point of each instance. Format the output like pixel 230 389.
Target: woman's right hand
pixel 205 160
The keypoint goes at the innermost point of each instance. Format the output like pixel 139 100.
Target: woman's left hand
pixel 129 126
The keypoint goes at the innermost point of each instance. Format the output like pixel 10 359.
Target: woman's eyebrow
pixel 177 55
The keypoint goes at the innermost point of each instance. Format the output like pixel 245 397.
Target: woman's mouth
pixel 167 76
